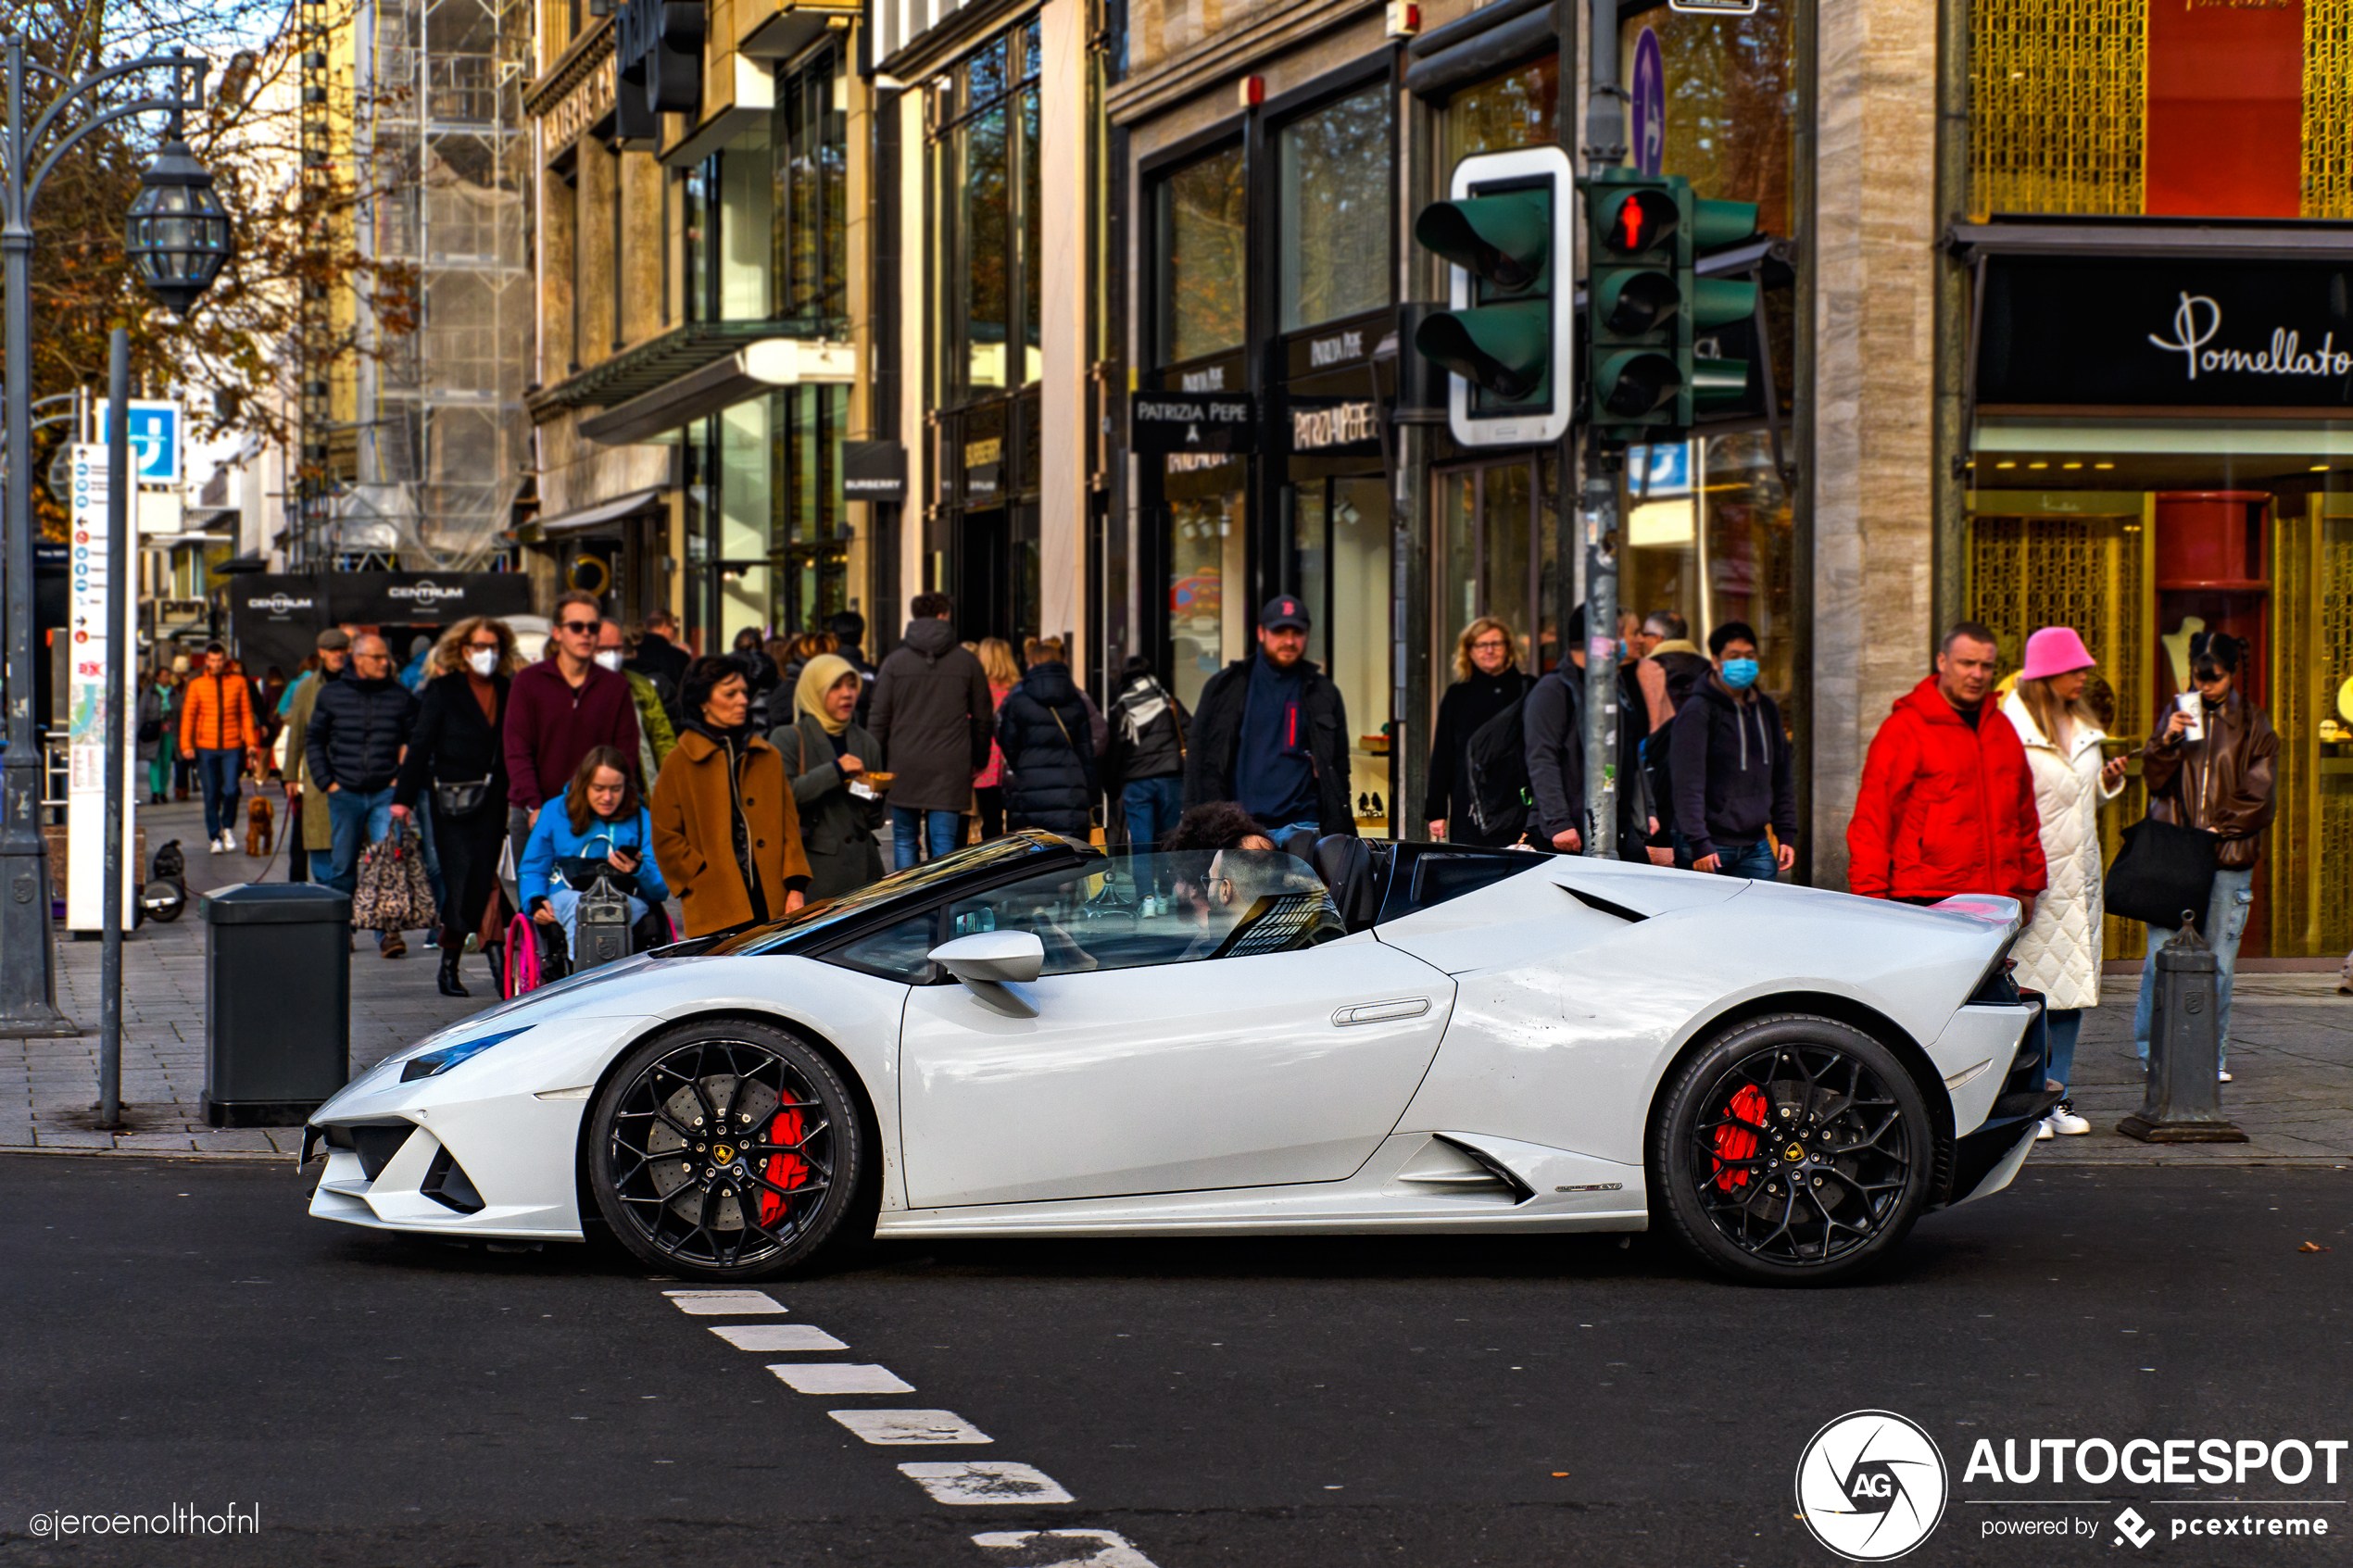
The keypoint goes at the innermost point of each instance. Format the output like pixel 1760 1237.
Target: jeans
pixel 1152 808
pixel 2225 922
pixel 911 827
pixel 359 818
pixel 218 770
pixel 2064 1026
pixel 1754 861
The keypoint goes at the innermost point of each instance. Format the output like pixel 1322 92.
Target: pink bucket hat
pixel 2055 650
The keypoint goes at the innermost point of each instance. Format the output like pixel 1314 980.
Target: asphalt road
pixel 181 1333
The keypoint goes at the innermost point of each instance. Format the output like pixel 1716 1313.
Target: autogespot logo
pixel 1870 1486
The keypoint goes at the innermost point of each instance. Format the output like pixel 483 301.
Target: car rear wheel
pixel 1793 1150
pixel 725 1150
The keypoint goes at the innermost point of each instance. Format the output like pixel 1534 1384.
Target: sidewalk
pixel 50 1087
pixel 2291 1049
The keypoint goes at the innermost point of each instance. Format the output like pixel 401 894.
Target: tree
pixel 233 360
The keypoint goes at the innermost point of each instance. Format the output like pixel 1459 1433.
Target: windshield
pixel 895 888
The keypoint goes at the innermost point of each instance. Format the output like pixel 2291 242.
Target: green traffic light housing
pixel 1504 241
pixel 1648 309
pixel 1506 335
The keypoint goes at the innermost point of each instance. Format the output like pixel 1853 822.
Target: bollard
pixel 2183 1102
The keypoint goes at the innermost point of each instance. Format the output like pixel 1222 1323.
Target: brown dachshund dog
pixel 258 826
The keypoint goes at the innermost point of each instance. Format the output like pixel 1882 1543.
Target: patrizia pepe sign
pixel 2128 332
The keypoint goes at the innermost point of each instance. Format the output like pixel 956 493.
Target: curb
pixel 249 1156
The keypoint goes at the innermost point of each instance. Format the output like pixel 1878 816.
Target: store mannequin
pixel 2177 649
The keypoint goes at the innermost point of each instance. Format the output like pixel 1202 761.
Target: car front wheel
pixel 1793 1150
pixel 725 1150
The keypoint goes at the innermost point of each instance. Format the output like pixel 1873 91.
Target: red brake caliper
pixel 1736 1142
pixel 786 1170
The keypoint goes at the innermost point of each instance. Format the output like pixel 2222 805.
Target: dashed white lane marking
pixel 1062 1549
pixel 722 1303
pixel 985 1481
pixel 910 1427
pixel 777 1336
pixel 841 1377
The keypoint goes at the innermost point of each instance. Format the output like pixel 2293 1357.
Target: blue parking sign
pixel 153 432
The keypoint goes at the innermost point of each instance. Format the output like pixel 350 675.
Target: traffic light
pixel 1635 330
pixel 1712 225
pixel 1647 306
pixel 1507 337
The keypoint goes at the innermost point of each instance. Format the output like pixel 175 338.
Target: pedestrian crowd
pixel 744 785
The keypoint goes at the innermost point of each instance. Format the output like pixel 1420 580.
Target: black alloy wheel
pixel 1793 1150
pixel 725 1150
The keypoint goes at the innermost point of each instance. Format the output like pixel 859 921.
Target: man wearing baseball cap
pixel 1271 732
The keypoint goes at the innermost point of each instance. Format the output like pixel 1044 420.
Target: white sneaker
pixel 2222 1074
pixel 2064 1119
pixel 228 842
pixel 213 846
pixel 2043 1129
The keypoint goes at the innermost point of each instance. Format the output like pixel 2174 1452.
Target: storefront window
pixel 1334 195
pixel 812 204
pixel 1518 108
pixel 745 511
pixel 1202 212
pixel 989 190
pixel 1729 96
pixel 747 220
pixel 1205 555
pixel 1498 553
pixel 811 533
pixel 1708 535
pixel 2142 535
pixel 2209 109
pixel 1341 536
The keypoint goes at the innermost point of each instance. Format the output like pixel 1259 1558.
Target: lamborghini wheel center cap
pixel 725 1154
pixel 1794 1153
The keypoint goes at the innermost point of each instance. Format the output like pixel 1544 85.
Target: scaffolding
pixel 414 427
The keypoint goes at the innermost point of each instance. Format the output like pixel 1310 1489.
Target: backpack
pixel 1496 765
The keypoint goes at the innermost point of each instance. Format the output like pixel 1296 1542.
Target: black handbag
pixel 2161 871
pixel 462 797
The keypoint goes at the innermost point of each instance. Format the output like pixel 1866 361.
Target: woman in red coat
pixel 1947 802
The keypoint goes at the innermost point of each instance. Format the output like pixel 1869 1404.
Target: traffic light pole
pixel 1597 508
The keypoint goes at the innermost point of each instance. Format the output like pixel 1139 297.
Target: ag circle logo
pixel 1871 1486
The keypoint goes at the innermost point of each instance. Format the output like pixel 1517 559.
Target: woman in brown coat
pixel 726 833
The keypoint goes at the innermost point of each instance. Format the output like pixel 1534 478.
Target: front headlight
pixel 441 1058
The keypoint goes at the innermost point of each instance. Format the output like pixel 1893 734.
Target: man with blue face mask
pixel 1731 768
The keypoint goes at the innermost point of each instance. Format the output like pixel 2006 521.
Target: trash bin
pixel 277 1001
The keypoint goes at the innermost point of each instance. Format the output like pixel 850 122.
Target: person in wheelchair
pixel 597 828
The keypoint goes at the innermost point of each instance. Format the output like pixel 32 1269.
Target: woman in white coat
pixel 2058 954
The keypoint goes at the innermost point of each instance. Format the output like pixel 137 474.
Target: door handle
pixel 1380 1012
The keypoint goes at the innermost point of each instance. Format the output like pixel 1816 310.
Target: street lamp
pixel 177 238
pixel 48 132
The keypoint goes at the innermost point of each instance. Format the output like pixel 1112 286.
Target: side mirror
pixel 987 962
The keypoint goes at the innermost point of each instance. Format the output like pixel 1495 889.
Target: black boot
pixel 450 984
pixel 495 954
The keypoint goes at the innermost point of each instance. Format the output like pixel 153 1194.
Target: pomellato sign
pixel 2125 332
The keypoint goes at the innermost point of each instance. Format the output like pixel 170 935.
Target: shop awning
pixel 2173 238
pixel 586 517
pixel 751 371
pixel 633 372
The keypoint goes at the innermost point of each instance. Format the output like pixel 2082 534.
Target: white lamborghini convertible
pixel 1033 1038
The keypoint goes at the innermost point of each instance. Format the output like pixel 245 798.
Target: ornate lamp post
pixel 178 239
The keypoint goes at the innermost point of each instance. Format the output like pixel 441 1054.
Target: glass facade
pixel 1201 213
pixel 987 156
pixel 1333 191
pixel 770 543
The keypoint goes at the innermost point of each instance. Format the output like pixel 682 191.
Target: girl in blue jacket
pixel 598 815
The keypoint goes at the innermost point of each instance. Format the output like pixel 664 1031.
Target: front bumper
pixel 488 1148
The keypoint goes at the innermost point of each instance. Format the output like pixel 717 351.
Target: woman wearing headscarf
pixel 825 752
pixel 726 832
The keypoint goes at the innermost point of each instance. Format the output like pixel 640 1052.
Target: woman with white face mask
pixel 458 761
